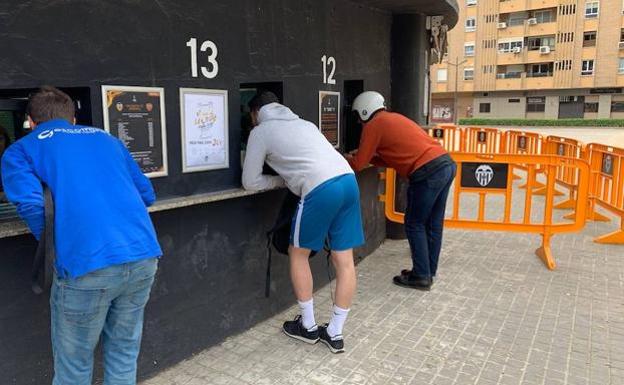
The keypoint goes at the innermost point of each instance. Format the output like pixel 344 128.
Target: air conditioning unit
pixel 532 21
pixel 621 45
pixel 471 2
pixel 502 25
pixel 516 50
pixel 544 49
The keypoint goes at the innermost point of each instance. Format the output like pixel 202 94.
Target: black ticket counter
pixel 210 283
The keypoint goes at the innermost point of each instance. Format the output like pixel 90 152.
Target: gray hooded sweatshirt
pixel 294 148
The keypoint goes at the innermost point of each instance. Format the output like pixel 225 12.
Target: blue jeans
pixel 107 302
pixel 424 219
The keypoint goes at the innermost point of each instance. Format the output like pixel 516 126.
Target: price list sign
pixel 136 116
pixel 329 116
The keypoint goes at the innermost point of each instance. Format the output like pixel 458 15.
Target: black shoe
pixel 408 272
pixel 413 282
pixel 296 330
pixel 335 345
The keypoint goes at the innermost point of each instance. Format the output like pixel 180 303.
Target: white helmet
pixel 367 103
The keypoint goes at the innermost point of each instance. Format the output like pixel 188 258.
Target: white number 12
pixel 328 61
pixel 212 58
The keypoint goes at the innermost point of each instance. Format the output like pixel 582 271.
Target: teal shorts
pixel 329 212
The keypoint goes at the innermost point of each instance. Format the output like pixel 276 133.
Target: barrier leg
pixel 545 252
pixel 614 238
pixel 542 191
pixel 568 204
pixel 592 215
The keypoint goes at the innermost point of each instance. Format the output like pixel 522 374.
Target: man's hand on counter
pixel 350 154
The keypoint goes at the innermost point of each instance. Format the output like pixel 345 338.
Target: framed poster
pixel 329 116
pixel 204 124
pixel 136 115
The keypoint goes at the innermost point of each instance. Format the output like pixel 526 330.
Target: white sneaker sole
pixel 300 338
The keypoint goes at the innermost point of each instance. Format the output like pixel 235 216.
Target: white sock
pixel 307 314
pixel 336 323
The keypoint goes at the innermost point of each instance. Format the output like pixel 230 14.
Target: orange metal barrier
pixel 482 140
pixel 566 176
pixel 521 142
pixel 607 185
pixel 449 136
pixel 478 170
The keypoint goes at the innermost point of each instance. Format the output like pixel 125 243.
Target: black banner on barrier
pixel 484 175
pixel 607 164
pixel 438 133
pixel 561 149
pixel 482 137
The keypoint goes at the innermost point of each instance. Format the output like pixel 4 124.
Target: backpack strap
pixel 45 257
pixel 267 282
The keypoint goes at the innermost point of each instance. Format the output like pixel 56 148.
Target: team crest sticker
pixel 484 175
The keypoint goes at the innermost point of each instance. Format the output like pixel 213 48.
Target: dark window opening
pixel 536 104
pixel 13 127
pixel 513 100
pixel 247 92
pixel 617 106
pixel 591 107
pixel 589 39
pixel 484 108
pixel 353 128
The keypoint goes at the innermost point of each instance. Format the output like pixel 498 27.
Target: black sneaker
pixel 408 272
pixel 413 282
pixel 296 330
pixel 335 344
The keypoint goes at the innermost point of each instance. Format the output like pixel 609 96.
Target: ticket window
pixel 14 125
pixel 352 127
pixel 247 92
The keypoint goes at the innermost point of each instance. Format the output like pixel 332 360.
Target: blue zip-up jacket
pixel 100 196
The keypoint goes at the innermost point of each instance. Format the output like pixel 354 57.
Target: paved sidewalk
pixel 494 316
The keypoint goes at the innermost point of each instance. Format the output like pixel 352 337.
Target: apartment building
pixel 536 59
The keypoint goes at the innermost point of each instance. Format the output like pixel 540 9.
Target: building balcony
pixel 539 4
pixel 538 81
pixel 542 29
pixel 507 58
pixel 509 6
pixel 509 81
pixel 511 31
pixel 535 56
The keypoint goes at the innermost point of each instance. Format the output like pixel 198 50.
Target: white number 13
pixel 212 58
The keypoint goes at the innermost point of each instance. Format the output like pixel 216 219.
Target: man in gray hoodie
pixel 329 208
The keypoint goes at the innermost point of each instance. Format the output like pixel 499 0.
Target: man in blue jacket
pixel 106 245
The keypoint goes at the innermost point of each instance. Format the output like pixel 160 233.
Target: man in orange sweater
pixel 392 140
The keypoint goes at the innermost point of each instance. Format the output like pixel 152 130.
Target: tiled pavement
pixel 494 316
